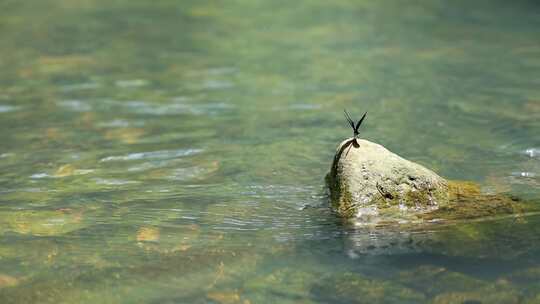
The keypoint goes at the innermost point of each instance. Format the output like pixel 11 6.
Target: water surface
pixel 174 152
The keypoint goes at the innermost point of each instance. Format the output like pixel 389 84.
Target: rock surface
pixel 368 182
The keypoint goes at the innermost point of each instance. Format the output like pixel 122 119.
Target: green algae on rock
pixel 466 201
pixel 369 183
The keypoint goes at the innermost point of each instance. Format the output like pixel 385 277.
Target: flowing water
pixel 175 151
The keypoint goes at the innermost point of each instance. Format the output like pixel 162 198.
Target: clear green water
pixel 165 151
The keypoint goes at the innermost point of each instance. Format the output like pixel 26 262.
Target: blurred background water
pixel 175 151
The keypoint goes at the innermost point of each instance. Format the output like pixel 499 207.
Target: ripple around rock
pixel 164 154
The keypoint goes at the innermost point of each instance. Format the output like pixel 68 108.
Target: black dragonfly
pixel 356 133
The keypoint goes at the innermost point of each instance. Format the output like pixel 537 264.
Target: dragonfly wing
pixel 351 122
pixel 359 123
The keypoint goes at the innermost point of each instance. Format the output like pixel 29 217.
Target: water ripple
pixel 80 86
pixel 7 108
pixel 117 123
pixel 221 71
pixel 532 152
pixel 132 83
pixel 114 182
pixel 212 84
pixel 525 174
pixel 164 154
pixel 75 105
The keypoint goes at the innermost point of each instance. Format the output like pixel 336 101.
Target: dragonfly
pixel 355 127
pixel 353 142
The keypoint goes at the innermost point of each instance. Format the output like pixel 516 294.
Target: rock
pixel 370 183
pixel 375 186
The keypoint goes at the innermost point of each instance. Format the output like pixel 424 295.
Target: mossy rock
pixel 370 185
pixel 366 180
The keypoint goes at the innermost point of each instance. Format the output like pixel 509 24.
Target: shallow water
pixel 171 152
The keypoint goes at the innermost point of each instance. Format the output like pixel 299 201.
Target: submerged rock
pixel 355 288
pixel 369 183
pixel 42 222
pixel 8 281
pixel 493 294
pixel 285 285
